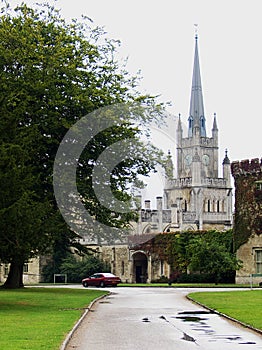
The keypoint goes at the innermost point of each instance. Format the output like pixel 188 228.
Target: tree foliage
pixel 52 73
pixel 76 269
pixel 211 253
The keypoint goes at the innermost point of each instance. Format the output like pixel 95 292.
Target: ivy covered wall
pixel 199 251
pixel 248 200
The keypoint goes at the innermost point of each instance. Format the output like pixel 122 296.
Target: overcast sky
pixel 158 38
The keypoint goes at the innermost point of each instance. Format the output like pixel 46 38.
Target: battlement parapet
pixel 246 167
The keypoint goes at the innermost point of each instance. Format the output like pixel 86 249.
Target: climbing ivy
pixel 199 251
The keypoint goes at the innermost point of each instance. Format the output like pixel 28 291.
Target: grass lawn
pixel 40 318
pixel 244 306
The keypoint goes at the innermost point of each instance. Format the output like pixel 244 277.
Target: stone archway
pixel 140 267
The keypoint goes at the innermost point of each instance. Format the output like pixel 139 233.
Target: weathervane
pixel 196 30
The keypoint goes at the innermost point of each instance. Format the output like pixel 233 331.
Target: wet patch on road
pixel 200 312
pixel 188 337
pixel 104 302
pixel 194 325
pixel 190 318
pixel 198 323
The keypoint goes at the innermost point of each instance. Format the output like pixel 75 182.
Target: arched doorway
pixel 140 264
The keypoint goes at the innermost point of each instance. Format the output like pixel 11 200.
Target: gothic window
pixel 202 122
pixel 185 206
pixel 218 206
pixel 202 126
pixel 258 258
pixel 208 206
pixel 190 122
pixel 122 268
pixel 190 126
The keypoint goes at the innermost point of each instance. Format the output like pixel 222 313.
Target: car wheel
pixel 102 284
pixel 85 284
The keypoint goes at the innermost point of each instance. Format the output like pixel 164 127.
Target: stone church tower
pixel 203 199
pixel 196 198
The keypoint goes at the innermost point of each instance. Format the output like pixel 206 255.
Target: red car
pixel 101 279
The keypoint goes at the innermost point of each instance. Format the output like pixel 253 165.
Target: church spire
pixel 196 112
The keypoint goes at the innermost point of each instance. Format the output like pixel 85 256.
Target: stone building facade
pixel 31 271
pixel 133 265
pixel 248 219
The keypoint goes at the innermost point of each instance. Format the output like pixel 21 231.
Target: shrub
pixel 162 279
pixel 75 268
pixel 226 277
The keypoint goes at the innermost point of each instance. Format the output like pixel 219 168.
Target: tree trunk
pixel 15 276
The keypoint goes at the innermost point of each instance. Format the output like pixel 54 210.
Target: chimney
pixel 159 206
pixel 159 203
pixel 147 204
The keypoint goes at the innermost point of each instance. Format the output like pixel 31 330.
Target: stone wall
pixel 117 257
pixel 247 253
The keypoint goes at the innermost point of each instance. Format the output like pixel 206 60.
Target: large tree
pixel 212 253
pixel 52 73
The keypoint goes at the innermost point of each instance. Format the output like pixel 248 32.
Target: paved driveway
pixel 157 318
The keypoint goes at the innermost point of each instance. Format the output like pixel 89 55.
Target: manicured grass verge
pixel 244 306
pixel 40 318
